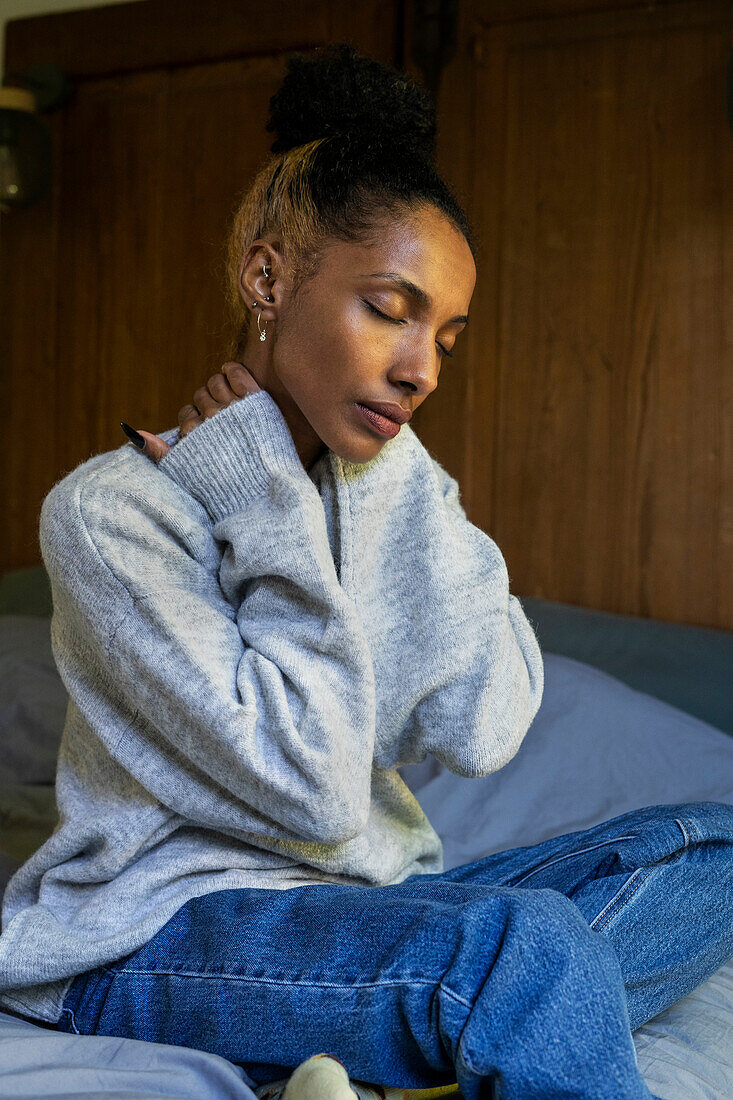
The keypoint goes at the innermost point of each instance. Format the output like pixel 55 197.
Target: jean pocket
pixel 624 894
pixel 562 856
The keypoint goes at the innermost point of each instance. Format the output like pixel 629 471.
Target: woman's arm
pixel 458 670
pixel 253 712
pixel 516 674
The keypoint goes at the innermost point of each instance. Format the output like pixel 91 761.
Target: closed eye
pixel 395 321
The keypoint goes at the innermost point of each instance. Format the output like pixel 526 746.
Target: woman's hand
pixel 231 383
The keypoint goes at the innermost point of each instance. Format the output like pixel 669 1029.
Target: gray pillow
pixel 26 591
pixel 686 666
pixel 33 701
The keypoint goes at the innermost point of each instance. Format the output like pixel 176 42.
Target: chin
pixel 359 452
pixel 353 443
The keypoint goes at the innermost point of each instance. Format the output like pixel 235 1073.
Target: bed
pixel 634 713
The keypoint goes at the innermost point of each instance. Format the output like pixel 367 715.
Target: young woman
pixel 259 620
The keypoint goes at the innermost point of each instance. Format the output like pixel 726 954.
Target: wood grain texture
pixel 612 457
pixel 587 414
pixel 591 427
pixel 114 285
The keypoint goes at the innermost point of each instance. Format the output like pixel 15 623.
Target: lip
pixel 388 409
pixel 382 425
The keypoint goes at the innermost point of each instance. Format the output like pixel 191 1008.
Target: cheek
pixel 344 348
pixel 344 332
pixel 366 343
pixel 323 333
pixel 330 350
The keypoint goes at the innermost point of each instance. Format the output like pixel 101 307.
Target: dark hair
pixel 354 149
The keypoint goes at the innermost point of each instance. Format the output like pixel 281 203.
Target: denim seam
pixel 621 897
pixel 567 855
pixel 72 1020
pixel 456 997
pixel 692 836
pixel 90 988
pixel 618 900
pixel 276 981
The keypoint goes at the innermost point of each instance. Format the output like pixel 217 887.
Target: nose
pixel 418 370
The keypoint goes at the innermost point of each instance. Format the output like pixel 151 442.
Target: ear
pixel 261 278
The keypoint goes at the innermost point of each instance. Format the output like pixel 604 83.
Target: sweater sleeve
pixel 499 689
pixel 239 689
pixel 474 684
pixel 521 649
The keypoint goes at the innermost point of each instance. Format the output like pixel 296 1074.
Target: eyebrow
pixel 414 291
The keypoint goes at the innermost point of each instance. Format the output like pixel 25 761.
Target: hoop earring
pixel 263 335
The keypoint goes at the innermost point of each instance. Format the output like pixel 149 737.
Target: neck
pixel 258 362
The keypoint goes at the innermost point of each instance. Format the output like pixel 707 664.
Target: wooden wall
pixel 588 414
pixel 598 164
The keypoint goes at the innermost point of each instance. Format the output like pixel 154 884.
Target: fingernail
pixel 136 438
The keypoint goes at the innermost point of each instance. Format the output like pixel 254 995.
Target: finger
pixel 219 388
pixel 206 404
pixel 240 379
pixel 155 447
pixel 189 418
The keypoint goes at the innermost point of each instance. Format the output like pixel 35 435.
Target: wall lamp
pixel 25 143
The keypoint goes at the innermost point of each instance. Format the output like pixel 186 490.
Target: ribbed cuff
pixel 229 459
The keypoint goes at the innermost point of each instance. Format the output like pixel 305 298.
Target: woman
pixel 264 615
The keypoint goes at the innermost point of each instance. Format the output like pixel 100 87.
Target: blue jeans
pixel 521 975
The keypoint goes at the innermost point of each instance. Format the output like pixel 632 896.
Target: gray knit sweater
pixel 251 651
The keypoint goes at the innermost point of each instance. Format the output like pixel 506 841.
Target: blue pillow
pixel 687 666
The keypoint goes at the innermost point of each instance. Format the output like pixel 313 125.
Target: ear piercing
pixel 268 298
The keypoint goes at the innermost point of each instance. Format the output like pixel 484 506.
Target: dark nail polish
pixel 136 438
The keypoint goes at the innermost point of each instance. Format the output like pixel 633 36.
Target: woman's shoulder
pixel 118 510
pixel 122 477
pixel 425 465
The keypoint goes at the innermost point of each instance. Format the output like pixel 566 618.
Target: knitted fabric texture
pixel 251 651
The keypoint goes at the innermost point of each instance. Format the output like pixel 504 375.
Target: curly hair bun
pixel 336 91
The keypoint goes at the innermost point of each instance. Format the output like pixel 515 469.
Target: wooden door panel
pixel 114 284
pixel 148 206
pixel 604 190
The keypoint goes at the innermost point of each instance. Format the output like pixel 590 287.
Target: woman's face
pixel 328 350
